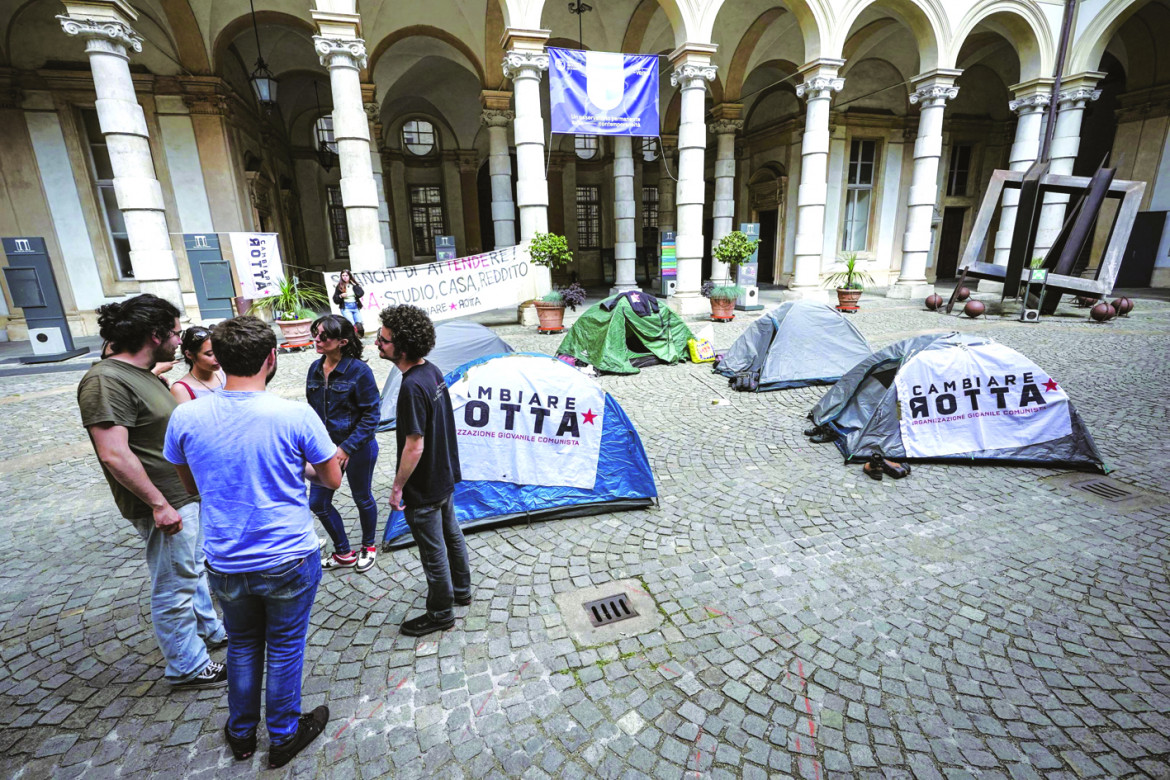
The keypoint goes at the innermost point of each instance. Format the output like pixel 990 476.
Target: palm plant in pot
pixel 292 307
pixel 733 249
pixel 551 307
pixel 550 251
pixel 850 282
pixel 722 298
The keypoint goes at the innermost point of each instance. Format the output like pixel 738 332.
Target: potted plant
pixel 291 306
pixel 548 250
pixel 734 248
pixel 849 282
pixel 551 308
pixel 722 297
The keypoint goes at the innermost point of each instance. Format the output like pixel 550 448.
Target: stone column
pixel 1030 103
pixel 385 234
pixel 1076 92
pixel 692 71
pixel 105 28
pixel 820 82
pixel 931 93
pixel 727 123
pixel 344 54
pixel 625 248
pixel 668 170
pixel 496 117
pixel 523 64
pixel 468 164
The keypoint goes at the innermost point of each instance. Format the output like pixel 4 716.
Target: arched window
pixel 585 146
pixel 649 149
pixel 418 136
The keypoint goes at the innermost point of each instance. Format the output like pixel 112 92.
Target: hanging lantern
pixel 263 82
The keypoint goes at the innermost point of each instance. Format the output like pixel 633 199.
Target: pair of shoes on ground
pixel 820 434
pixel 309 727
pixel 214 675
pixel 424 624
pixel 877 466
pixel 362 560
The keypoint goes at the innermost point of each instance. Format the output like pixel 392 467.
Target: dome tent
pixel 955 397
pixel 625 332
pixel 456 342
pixel 796 344
pixel 538 440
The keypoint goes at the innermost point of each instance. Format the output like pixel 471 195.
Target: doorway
pixel 950 243
pixel 767 251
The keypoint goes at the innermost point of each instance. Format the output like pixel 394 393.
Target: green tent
pixel 620 340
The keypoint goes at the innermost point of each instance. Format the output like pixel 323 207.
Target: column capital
pixel 338 52
pixel 1077 90
pixel 935 88
pixel 692 64
pixel 110 35
pixel 495 100
pixel 722 126
pixel 337 24
pixel 518 62
pixel 1029 96
pixel 497 118
pixel 820 79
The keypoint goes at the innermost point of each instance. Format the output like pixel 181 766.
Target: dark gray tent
pixel 456 342
pixel 796 344
pixel 931 396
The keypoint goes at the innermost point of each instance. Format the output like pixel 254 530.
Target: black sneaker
pixel 242 747
pixel 465 602
pixel 214 675
pixel 309 726
pixel 423 625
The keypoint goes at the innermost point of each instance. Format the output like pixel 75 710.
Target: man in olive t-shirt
pixel 126 408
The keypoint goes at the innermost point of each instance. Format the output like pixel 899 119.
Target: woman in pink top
pixel 204 375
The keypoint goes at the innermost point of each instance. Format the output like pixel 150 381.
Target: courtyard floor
pixel 968 621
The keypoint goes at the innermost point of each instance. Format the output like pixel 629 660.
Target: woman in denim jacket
pixel 342 391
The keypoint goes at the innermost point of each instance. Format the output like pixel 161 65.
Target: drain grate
pixel 610 609
pixel 1106 489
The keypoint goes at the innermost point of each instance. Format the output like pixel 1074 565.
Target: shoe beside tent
pixel 538 440
pixel 612 336
pixel 796 344
pixel 456 342
pixel 955 397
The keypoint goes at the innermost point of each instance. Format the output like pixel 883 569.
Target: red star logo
pixel 1050 385
pixel 453 306
pixel 589 416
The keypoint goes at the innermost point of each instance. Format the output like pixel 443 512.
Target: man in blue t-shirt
pixel 249 453
pixel 428 467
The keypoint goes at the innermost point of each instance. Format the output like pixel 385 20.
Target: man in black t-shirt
pixel 428 467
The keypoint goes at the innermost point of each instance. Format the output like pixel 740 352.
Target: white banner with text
pixel 257 261
pixel 449 288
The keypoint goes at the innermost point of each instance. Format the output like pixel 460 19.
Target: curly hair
pixel 127 326
pixel 334 326
pixel 242 344
pixel 413 332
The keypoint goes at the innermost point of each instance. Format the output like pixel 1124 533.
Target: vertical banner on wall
pixel 603 93
pixel 257 260
pixel 747 273
pixel 668 264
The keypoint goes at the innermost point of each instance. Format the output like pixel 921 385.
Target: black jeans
pixel 443 554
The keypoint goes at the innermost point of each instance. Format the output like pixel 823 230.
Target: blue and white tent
pixel 538 440
pixel 456 342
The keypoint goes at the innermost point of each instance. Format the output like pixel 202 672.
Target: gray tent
pixel 796 344
pixel 868 415
pixel 456 342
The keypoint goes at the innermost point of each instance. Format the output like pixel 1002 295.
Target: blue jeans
pixel 180 602
pixel 352 313
pixel 267 609
pixel 360 473
pixel 443 554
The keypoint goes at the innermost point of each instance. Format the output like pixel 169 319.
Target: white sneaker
pixel 321 544
pixel 366 557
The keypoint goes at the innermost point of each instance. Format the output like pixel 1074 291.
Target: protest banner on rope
pixel 449 288
pixel 257 261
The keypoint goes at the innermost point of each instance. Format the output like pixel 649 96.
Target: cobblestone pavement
pixel 966 622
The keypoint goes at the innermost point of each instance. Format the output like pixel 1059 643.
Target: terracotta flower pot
pixel 296 333
pixel 552 316
pixel 847 299
pixel 722 309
